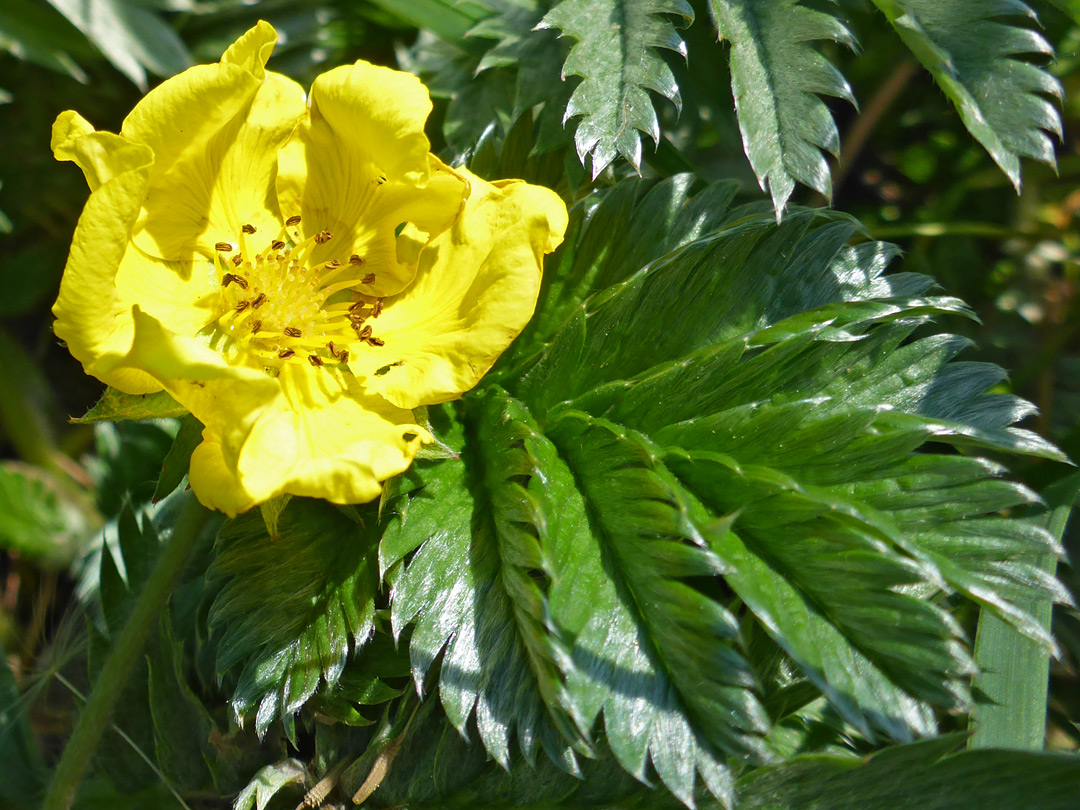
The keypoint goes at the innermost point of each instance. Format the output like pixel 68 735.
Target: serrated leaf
pixel 313 606
pixel 115 406
pixel 616 56
pixel 777 78
pixel 268 782
pixel 477 531
pixel 769 363
pixel 977 59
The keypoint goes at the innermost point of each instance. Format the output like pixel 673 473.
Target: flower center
pixel 278 307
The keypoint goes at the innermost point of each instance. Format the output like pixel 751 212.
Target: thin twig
pixel 124 736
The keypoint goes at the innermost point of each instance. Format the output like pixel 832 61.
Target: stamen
pixel 293 297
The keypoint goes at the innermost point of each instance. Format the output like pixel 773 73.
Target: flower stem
pixel 96 713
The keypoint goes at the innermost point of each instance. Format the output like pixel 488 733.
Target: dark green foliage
pixel 314 603
pixel 716 531
pixel 736 417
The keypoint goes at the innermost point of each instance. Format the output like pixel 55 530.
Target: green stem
pixel 986 230
pixel 95 716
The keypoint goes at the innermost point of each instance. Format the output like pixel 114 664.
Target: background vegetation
pixel 909 170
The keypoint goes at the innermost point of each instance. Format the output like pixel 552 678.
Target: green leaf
pixel 777 77
pixel 475 529
pixel 132 38
pixel 448 19
pixel 116 406
pixel 314 604
pixel 268 782
pixel 42 517
pixel 1016 670
pixel 176 463
pixel 616 57
pixel 977 59
pixel 653 218
pixel 24 774
pixel 35 33
pixel 917 777
pixel 731 415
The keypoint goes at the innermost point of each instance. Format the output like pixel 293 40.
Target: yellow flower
pixel 298 271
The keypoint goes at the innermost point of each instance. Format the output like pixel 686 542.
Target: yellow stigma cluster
pixel 277 307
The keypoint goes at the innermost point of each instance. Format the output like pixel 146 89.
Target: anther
pixel 230 278
pixel 365 333
pixel 224 247
pixel 315 360
pixel 293 221
pixel 256 326
pixel 238 259
pixel 374 341
pixel 368 279
pixel 278 245
pixel 248 229
pixel 285 354
pixel 292 331
pixel 376 308
pixel 333 264
pixel 357 306
pixel 240 307
pixel 260 299
pixel 330 347
pixel 355 259
pixel 322 237
pixel 344 356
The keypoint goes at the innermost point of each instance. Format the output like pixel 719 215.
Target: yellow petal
pixel 215 131
pixel 360 169
pixel 475 291
pixel 324 438
pixel 92 316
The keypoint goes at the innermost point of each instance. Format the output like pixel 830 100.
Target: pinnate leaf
pixel 730 412
pixel 777 78
pixel 616 57
pixel 291 610
pixel 978 60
